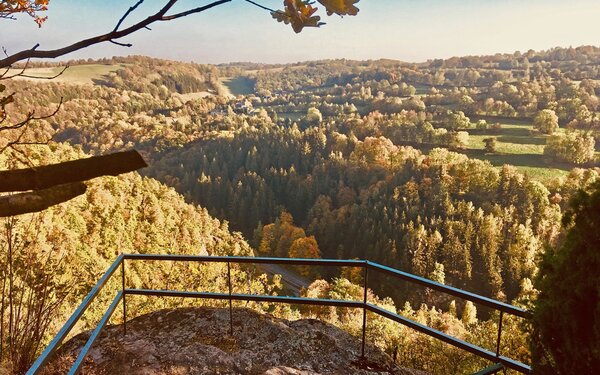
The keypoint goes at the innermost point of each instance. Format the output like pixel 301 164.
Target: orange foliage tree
pixel 8 9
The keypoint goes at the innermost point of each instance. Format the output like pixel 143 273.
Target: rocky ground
pixel 197 341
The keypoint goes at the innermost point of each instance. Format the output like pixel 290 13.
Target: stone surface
pixel 197 341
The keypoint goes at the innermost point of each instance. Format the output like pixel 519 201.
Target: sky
pixel 407 30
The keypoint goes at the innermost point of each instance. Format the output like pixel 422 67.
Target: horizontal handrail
pixel 252 260
pixel 340 303
pixel 498 305
pixel 493 369
pixel 474 349
pixel 366 265
pixel 245 297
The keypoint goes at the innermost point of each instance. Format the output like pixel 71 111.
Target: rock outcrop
pixel 197 341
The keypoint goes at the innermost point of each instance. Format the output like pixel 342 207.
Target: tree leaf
pixel 340 7
pixel 9 8
pixel 298 13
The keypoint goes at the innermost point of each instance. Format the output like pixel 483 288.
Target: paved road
pixel 290 279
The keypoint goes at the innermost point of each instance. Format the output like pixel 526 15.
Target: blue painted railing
pixel 498 361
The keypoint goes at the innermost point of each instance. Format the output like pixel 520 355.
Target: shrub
pixel 571 147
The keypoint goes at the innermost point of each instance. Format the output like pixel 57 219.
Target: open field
pixel 422 89
pixel 293 116
pixel 240 85
pixel 194 95
pixel 516 137
pixel 275 69
pixel 516 145
pixel 77 74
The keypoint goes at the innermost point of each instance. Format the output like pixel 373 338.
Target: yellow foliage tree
pixel 305 247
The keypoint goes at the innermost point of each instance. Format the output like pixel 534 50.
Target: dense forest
pixel 458 170
pixel 50 260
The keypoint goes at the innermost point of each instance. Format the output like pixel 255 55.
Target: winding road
pixel 292 281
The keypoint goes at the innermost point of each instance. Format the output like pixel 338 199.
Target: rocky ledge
pixel 197 341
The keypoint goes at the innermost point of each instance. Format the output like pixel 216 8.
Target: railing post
pixel 499 334
pixel 230 307
pixel 364 325
pixel 123 290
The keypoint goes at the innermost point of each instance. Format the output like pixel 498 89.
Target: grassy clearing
pixel 515 137
pixel 544 174
pixel 77 74
pixel 518 145
pixel 240 85
pixel 293 116
pixel 275 70
pixel 422 89
pixel 194 95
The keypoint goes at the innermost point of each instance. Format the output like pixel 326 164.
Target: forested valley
pixel 457 170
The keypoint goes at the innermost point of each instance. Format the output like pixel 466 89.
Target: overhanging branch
pixel 71 171
pixel 161 15
pixel 35 201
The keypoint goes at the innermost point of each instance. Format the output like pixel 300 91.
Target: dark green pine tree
pixel 567 312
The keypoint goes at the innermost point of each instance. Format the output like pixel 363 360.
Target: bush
pixel 546 121
pixel 572 147
pixel 481 124
pixel 490 144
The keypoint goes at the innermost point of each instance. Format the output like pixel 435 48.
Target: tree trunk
pixel 39 200
pixel 71 171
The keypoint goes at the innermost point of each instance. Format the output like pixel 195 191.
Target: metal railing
pixel 499 361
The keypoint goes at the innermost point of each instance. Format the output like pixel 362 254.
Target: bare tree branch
pixel 30 117
pixel 18 142
pixel 158 16
pixel 22 74
pixel 121 44
pixel 263 7
pixel 192 11
pixel 129 11
pixel 3 76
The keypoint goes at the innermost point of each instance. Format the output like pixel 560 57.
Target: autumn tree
pixel 10 8
pixel 457 140
pixel 546 121
pixel 313 116
pixel 458 120
pixel 571 147
pixel 469 314
pixel 374 151
pixel 305 247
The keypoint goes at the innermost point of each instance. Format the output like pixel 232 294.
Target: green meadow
pixel 516 144
pixel 77 74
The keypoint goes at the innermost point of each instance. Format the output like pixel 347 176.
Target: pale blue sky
pixel 409 30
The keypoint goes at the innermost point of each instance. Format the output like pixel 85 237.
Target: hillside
pixel 196 341
pixel 50 260
pixel 458 170
pixel 76 74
